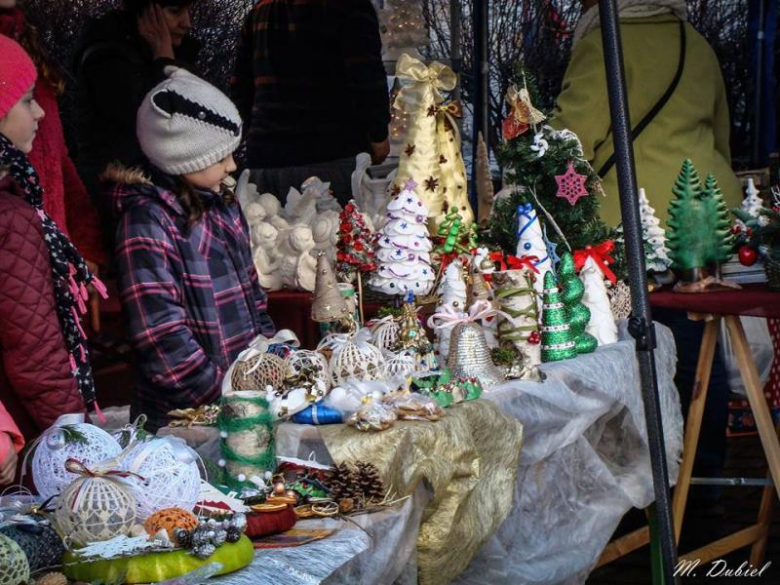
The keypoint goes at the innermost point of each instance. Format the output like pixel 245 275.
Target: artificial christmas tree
pixel 719 220
pixel 572 291
pixel 354 254
pixel 403 248
pixel 752 204
pixel 454 235
pixel 557 340
pixel 328 304
pixel 653 235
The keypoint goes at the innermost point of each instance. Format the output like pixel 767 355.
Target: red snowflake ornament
pixel 571 185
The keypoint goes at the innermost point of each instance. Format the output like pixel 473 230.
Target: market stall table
pixel 584 463
pixel 753 300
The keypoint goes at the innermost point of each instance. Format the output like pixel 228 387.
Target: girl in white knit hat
pixel 187 283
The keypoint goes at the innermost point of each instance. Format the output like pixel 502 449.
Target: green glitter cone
pixel 579 315
pixel 557 340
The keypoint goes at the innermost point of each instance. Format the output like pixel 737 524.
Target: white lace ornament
pixel 257 372
pixel 620 300
pixel 353 357
pixel 384 333
pixel 314 366
pixel 401 363
pixel 95 507
pixel 14 567
pixel 82 441
pixel 170 471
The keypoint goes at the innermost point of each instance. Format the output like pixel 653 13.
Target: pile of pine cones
pixel 355 486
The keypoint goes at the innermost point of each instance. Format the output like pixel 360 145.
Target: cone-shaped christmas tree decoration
pixel 485 191
pixel 328 304
pixel 530 241
pixel 719 220
pixel 557 340
pixel 354 250
pixel 572 291
pixel 687 237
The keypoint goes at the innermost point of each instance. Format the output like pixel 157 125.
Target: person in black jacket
pixel 312 91
pixel 120 58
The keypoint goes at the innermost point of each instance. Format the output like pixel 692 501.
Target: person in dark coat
pixel 44 361
pixel 312 91
pixel 119 58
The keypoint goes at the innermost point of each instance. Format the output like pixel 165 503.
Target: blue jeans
pixel 711 452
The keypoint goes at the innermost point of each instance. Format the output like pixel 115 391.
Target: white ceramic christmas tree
pixel 452 293
pixel 752 204
pixel 602 322
pixel 530 242
pixel 403 248
pixel 654 236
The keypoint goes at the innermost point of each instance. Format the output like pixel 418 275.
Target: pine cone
pixel 339 481
pixel 370 481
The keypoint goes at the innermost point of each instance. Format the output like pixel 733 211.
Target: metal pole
pixel 641 322
pixel 481 68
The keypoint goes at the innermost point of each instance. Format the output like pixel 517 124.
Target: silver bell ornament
pixel 470 355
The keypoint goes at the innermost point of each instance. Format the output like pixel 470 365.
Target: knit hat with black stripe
pixel 185 124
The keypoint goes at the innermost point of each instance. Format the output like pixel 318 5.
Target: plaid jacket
pixel 190 295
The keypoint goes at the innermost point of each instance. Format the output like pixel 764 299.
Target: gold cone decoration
pixel 328 304
pixel 470 355
pixel 485 192
pixel 430 153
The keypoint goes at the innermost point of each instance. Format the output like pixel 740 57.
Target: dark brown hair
pixel 191 202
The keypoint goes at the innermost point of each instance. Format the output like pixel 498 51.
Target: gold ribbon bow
pixel 433 78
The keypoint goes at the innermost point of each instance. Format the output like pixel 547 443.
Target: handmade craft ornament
pixel 432 155
pixel 522 114
pixel 517 298
pixel 531 243
pixel 254 368
pixel 602 324
pixel 384 333
pixel 452 293
pixel 68 438
pixel 171 520
pixel 557 339
pixel 170 471
pixel 246 430
pixel 571 185
pixel 14 568
pixel 38 540
pixel 328 304
pixel 403 249
pixel 620 300
pixel 572 291
pixel 402 363
pixel 308 370
pixel 355 253
pixel 354 357
pixel 97 506
pixel 469 355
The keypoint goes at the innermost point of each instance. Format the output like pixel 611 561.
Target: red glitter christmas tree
pixel 354 250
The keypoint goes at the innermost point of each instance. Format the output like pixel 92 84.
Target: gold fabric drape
pixel 469 459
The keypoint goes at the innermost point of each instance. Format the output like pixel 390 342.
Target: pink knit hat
pixel 17 74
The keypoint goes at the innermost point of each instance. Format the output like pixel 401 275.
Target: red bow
pixel 601 256
pixel 516 263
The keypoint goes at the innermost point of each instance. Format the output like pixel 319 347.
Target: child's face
pixel 21 122
pixel 212 177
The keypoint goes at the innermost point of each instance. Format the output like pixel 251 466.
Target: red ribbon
pixel 601 256
pixel 509 262
pixel 77 467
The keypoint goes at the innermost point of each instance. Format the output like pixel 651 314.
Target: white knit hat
pixel 185 124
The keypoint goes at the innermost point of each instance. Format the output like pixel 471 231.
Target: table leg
pixel 755 394
pixel 693 425
pixel 764 521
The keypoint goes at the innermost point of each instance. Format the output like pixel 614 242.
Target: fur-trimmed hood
pixel 131 186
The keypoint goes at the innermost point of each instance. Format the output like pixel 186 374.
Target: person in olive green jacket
pixel 693 124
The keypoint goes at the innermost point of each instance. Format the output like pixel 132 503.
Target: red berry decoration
pixel 747 256
pixel 735 229
pixel 354 250
pixel 534 338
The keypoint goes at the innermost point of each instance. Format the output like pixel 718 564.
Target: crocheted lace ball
pixel 14 568
pixel 170 472
pixel 384 335
pixel 170 519
pixel 361 361
pixel 94 509
pixel 258 372
pixel 81 441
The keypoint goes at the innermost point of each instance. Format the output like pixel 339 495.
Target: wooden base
pixel 757 534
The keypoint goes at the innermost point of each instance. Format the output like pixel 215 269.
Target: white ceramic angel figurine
pixel 324 229
pixel 297 267
pixel 602 322
pixel 265 256
pixel 273 211
pixel 322 194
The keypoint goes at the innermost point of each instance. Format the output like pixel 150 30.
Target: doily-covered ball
pixel 81 441
pixel 170 472
pixel 14 568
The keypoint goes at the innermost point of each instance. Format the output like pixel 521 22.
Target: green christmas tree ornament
pixel 688 235
pixel 455 235
pixel 719 220
pixel 557 339
pixel 579 315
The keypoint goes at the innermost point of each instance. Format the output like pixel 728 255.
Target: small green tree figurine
pixel 557 340
pixel 688 235
pixel 579 314
pixel 718 218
